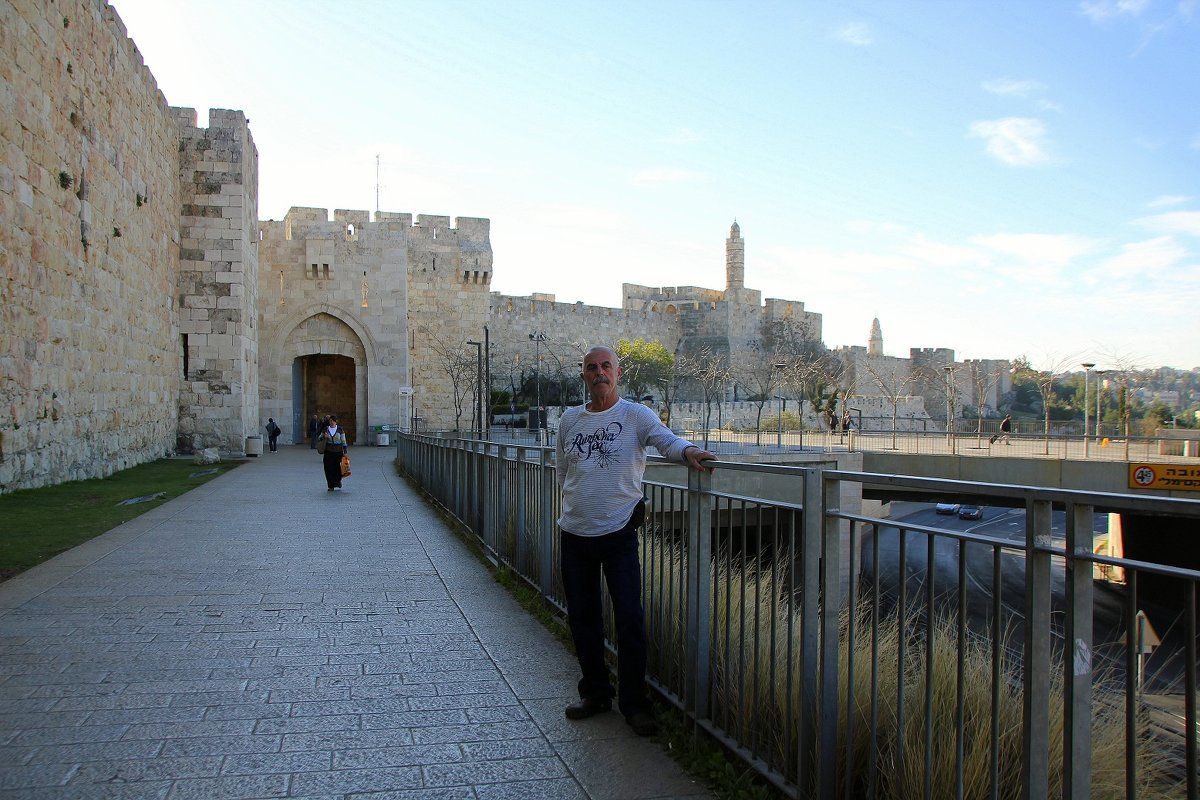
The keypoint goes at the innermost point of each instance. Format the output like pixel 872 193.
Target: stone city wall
pixel 89 219
pixel 568 330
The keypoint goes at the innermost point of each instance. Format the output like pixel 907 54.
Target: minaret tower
pixel 735 259
pixel 875 344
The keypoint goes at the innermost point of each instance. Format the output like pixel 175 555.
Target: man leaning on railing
pixel 601 458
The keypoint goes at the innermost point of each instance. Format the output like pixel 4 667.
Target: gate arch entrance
pixel 317 363
pixel 324 384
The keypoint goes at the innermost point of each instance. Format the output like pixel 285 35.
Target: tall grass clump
pixel 893 779
pixel 757 646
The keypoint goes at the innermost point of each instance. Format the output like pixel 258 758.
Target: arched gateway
pixel 319 365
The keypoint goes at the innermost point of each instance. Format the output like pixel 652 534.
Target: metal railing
pixel 1025 444
pixel 845 654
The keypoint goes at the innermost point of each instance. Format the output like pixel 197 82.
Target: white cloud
pixel 1100 10
pixel 660 175
pixel 1162 201
pixel 1039 249
pixel 1136 259
pixel 941 254
pixel 864 227
pixel 1017 141
pixel 1185 222
pixel 1011 87
pixel 855 33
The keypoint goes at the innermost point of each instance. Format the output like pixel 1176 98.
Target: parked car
pixel 970 512
pixel 946 508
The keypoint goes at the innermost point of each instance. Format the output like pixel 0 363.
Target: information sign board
pixel 1176 477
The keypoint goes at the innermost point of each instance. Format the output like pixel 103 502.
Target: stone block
pixel 208 455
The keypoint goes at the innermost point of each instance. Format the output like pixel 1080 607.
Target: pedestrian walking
pixel 331 443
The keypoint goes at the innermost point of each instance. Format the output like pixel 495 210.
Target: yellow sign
pixel 1177 477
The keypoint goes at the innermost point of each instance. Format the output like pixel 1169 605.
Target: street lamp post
pixel 779 368
pixel 949 370
pixel 537 339
pixel 1099 393
pixel 779 430
pixel 478 386
pixel 1087 372
pixel 487 382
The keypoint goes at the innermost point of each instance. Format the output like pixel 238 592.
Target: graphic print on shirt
pixel 600 443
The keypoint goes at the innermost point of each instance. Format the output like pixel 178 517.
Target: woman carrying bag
pixel 332 444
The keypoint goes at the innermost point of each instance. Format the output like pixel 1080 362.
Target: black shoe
pixel 643 723
pixel 587 707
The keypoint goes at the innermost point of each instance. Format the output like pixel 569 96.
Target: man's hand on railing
pixel 695 458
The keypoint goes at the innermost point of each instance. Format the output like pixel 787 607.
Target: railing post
pixel 546 532
pixel 517 493
pixel 487 492
pixel 1077 672
pixel 476 499
pixel 811 538
pixel 699 590
pixel 831 608
pixel 1036 713
pixel 459 480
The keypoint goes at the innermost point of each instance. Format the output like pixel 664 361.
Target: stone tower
pixel 217 281
pixel 366 318
pixel 875 343
pixel 735 259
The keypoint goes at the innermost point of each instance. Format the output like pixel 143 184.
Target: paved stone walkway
pixel 262 637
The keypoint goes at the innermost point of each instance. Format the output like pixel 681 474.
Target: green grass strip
pixel 41 523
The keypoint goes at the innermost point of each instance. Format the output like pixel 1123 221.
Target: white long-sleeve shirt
pixel 601 459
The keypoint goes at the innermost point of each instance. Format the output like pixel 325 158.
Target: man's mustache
pixel 599 379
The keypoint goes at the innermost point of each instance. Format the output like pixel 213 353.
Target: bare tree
pixel 894 382
pixel 808 367
pixel 1043 377
pixel 760 373
pixel 1123 369
pixel 709 372
pixel 984 377
pixel 460 368
pixel 568 359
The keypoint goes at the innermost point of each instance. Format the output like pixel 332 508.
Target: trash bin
pixel 254 445
pixel 382 439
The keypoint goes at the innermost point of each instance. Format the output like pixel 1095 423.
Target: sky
pixel 1001 179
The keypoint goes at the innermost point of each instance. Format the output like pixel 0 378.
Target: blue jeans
pixel 582 559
